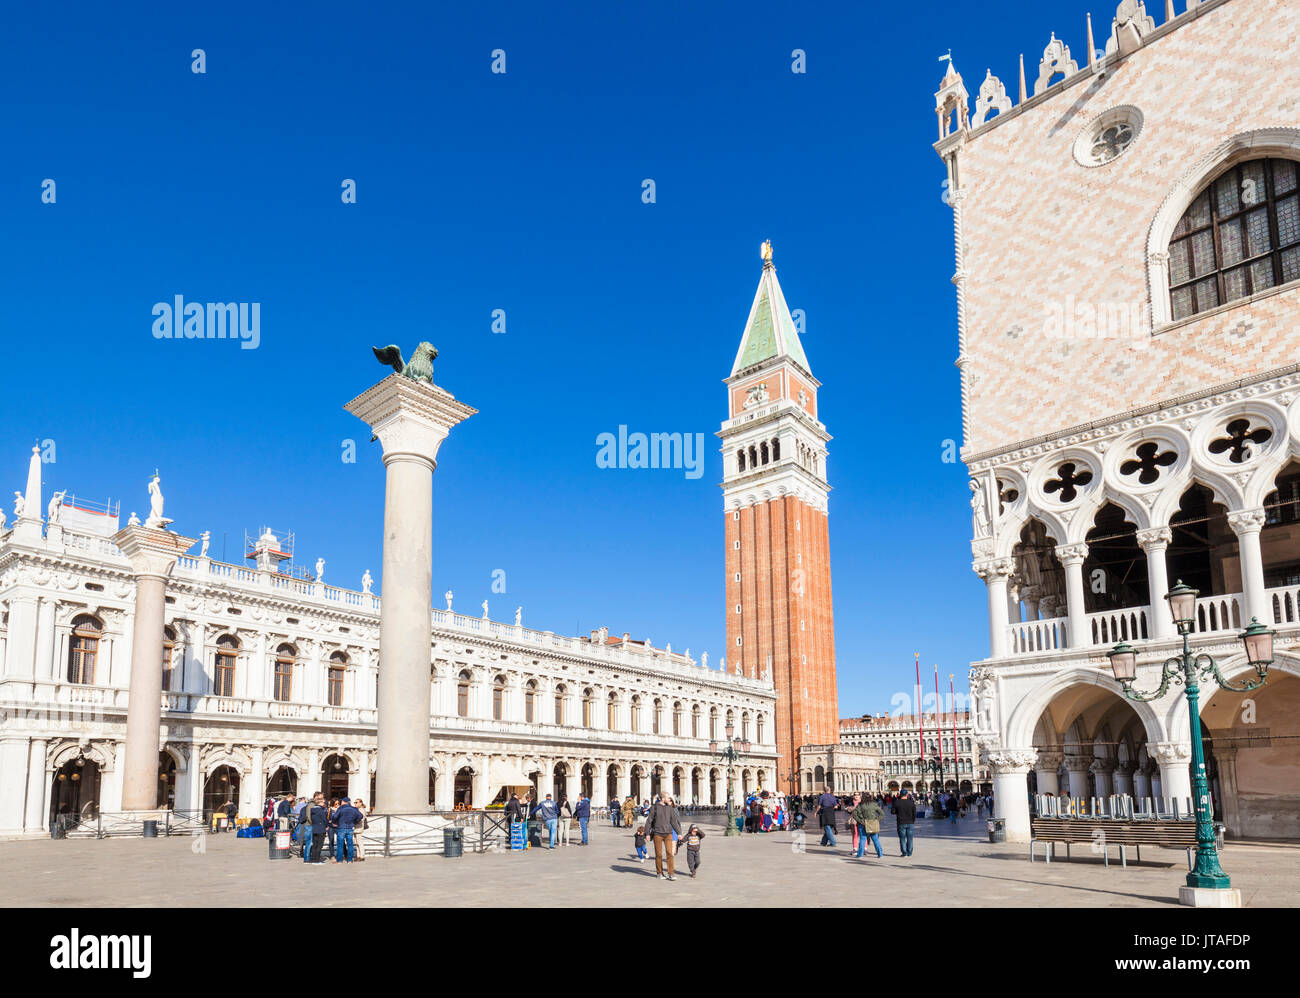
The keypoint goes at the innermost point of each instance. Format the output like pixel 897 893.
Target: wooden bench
pixel 1107 832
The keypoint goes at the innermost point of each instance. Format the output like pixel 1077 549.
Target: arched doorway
pixel 678 776
pixel 75 789
pixel 713 786
pixel 560 782
pixel 433 786
pixel 463 793
pixel 656 781
pixel 283 781
pixel 637 774
pixel 1251 750
pixel 220 788
pixel 166 781
pixel 695 785
pixel 611 783
pixel 334 777
pixel 589 781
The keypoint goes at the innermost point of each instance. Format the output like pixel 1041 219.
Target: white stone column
pixel 411 419
pixel 1246 524
pixel 1071 557
pixel 1175 772
pixel 45 638
pixel 37 786
pixel 1011 789
pixel 479 784
pixel 1141 783
pixel 152 553
pixel 1124 778
pixel 1155 542
pixel 20 658
pixel 995 574
pixel 445 789
pixel 1078 766
pixel 624 780
pixel 1046 768
pixel 252 789
pixel 309 782
pixel 194 789
pixel 1101 770
pixel 13 760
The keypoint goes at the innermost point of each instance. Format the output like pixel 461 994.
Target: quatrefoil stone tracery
pixel 1069 477
pixel 1147 462
pixel 1241 442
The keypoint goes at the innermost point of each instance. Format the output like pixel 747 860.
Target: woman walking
pixel 357 846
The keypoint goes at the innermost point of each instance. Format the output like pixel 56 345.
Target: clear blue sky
pixel 519 192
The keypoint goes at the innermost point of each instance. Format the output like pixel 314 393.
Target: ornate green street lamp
pixel 736 747
pixel 1190 670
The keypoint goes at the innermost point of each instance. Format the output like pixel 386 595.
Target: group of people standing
pixel 332 828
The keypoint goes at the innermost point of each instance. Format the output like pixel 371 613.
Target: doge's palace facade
pixel 270 685
pixel 1128 288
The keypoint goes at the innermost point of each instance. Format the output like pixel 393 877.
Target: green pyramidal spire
pixel 769 331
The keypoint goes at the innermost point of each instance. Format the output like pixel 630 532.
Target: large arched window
pixel 587 700
pixel 498 698
pixel 223 674
pixel 337 670
pixel 559 704
pixel 677 718
pixel 84 649
pixel 636 713
pixel 613 712
pixel 169 648
pixel 462 693
pixel 657 716
pixel 530 701
pixel 284 659
pixel 1241 236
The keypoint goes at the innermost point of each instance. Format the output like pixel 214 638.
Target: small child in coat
pixel 691 840
pixel 639 840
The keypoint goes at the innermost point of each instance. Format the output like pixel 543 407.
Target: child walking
pixel 639 840
pixel 691 840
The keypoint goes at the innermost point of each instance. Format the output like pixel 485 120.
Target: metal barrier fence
pixel 112 824
pixel 1119 807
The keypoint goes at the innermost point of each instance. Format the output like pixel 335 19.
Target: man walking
pixel 615 814
pixel 662 824
pixel 549 814
pixel 827 804
pixel 583 813
pixel 906 811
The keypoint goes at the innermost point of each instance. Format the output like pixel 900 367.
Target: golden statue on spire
pixel 765 251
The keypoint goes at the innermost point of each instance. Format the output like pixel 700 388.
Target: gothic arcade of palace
pixel 1128 291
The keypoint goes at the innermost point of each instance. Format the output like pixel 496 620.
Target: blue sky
pixel 479 191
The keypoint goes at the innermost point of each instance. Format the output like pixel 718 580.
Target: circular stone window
pixel 1108 136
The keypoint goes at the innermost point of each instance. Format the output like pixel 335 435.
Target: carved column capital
pixel 1154 538
pixel 1171 753
pixel 1071 554
pixel 994 568
pixel 1078 763
pixel 1103 765
pixel 1247 521
pixel 1049 760
pixel 1011 761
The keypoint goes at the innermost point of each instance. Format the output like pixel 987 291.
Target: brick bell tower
pixel 778 583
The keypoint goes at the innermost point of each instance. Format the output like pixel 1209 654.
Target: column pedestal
pixel 1011 790
pixel 152 553
pixel 1175 772
pixel 411 419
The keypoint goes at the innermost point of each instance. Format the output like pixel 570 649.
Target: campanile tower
pixel 778 582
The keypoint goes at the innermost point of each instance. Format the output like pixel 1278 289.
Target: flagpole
pixel 938 722
pixel 952 705
pixel 919 719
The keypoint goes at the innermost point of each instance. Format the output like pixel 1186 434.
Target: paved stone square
pixel 951 866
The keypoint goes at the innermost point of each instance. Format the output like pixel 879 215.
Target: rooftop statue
pixel 420 367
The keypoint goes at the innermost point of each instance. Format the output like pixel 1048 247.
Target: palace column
pixel 1141 781
pixel 1246 524
pixel 1077 766
pixel 411 419
pixel 1124 778
pixel 1155 542
pixel 1071 557
pixel 37 786
pixel 1011 789
pixel 152 552
pixel 1175 772
pixel 995 574
pixel 1046 768
pixel 624 781
pixel 1101 770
